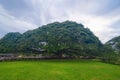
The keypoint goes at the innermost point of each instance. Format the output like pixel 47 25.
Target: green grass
pixel 59 70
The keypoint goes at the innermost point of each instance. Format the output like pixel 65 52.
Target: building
pixel 8 56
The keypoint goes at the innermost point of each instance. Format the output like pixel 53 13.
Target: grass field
pixel 59 70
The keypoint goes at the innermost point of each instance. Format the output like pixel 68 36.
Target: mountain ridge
pixel 58 38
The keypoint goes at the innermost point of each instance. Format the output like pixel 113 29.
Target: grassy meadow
pixel 59 70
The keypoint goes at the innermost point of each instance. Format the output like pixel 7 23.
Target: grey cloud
pixel 9 23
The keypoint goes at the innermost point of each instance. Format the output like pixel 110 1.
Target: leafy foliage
pixel 10 42
pixel 67 38
pixel 113 52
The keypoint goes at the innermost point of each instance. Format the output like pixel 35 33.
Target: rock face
pixel 65 38
pixel 115 44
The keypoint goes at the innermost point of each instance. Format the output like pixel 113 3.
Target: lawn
pixel 59 70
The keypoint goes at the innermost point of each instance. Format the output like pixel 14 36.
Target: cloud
pixel 9 23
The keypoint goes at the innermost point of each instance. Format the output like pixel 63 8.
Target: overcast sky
pixel 101 16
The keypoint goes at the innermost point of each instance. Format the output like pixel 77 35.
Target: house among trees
pixel 8 56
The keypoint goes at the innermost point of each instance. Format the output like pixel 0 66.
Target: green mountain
pixel 10 42
pixel 65 38
pixel 112 54
pixel 115 44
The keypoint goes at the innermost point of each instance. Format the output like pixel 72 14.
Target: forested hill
pixel 68 38
pixel 115 43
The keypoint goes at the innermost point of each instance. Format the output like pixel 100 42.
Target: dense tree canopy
pixel 66 38
pixel 113 52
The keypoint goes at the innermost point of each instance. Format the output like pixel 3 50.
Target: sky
pixel 102 17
